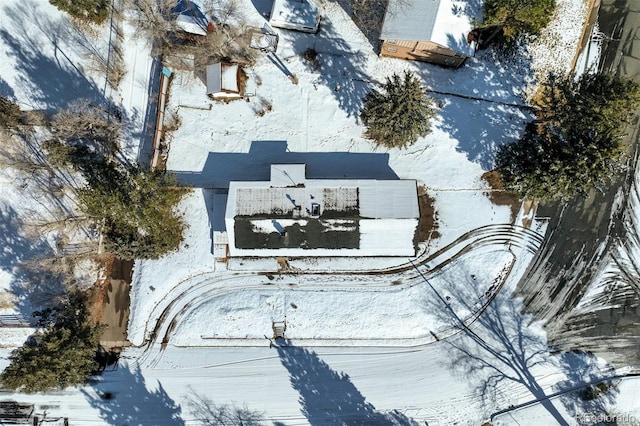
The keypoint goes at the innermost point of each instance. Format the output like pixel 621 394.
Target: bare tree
pixel 225 12
pixel 208 413
pixel 155 21
pixel 88 125
pixel 13 155
pixel 231 43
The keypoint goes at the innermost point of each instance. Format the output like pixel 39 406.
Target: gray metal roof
pixel 410 20
pixel 214 78
pixel 321 217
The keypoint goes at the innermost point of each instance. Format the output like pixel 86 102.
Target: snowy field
pixel 319 311
pixel 493 357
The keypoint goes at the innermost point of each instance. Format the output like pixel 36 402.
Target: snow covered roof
pixel 323 217
pixel 190 18
pixel 295 14
pixel 446 22
pixel 222 78
pixel 289 188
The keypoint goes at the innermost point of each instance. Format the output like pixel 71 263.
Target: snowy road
pixel 441 383
pixel 502 361
pixel 595 233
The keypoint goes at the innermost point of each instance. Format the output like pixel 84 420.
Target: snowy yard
pixel 390 340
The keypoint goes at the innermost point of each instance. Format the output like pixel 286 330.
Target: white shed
pixel 300 15
pixel 222 80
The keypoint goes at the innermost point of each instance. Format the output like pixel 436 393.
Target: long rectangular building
pixel 293 216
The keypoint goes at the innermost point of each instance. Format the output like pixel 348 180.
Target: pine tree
pixel 602 102
pixel 397 117
pixel 62 355
pixel 518 17
pixel 137 209
pixel 576 142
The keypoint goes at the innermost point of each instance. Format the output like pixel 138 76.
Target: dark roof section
pixel 13 412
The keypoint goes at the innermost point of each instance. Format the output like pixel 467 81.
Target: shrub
pixel 10 114
pixel 87 10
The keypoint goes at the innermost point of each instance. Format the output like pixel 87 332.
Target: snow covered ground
pixel 491 362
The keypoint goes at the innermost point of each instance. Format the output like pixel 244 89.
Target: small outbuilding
pixel 299 15
pixel 427 30
pixel 223 80
pixel 264 39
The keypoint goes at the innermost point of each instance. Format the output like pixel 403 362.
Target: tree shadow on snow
pixel 328 397
pixel 207 412
pixel 46 73
pixel 263 7
pixel 338 66
pixel 6 91
pixel 502 347
pixel 597 396
pixel 223 167
pixel 32 287
pixel 481 103
pixel 34 236
pixel 480 127
pixel 123 398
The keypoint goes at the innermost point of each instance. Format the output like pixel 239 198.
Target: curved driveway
pixel 190 294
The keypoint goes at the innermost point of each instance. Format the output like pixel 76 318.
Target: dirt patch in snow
pixel 428 225
pixel 98 292
pixel 499 196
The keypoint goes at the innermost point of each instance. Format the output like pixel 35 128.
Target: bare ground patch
pixel 428 225
pixel 98 293
pixel 499 196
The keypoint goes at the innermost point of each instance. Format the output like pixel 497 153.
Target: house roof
pixel 446 22
pixel 288 188
pixel 190 18
pixel 297 12
pixel 324 217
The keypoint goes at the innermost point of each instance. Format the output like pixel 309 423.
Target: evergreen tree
pixel 59 153
pixel 602 102
pixel 137 209
pixel 397 117
pixel 89 10
pixel 518 17
pixel 62 355
pixel 576 142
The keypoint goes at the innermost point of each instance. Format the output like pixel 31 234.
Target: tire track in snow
pixel 183 299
